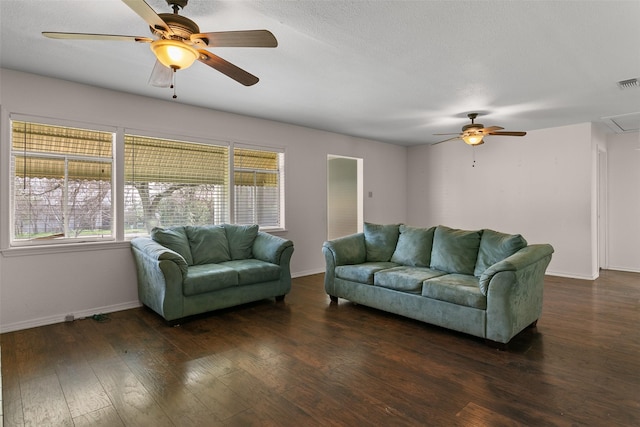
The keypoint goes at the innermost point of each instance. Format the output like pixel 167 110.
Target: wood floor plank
pixel 44 403
pixel 104 417
pixel 308 361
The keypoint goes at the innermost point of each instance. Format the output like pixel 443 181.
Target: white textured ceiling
pixel 393 71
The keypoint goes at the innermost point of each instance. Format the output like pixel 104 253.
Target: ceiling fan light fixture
pixel 174 54
pixel 473 139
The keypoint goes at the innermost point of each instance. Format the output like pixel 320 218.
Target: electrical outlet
pixel 69 318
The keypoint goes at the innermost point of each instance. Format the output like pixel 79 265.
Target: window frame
pixel 9 189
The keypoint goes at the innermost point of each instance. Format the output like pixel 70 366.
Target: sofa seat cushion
pixel 460 289
pixel 403 278
pixel 252 271
pixel 208 278
pixel 362 273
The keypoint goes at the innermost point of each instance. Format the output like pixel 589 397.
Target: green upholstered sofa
pixel 183 271
pixel 480 282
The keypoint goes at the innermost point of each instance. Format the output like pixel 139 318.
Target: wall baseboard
pixel 59 318
pixel 306 273
pixel 627 269
pixel 570 275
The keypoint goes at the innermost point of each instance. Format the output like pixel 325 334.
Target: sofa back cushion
pixel 380 241
pixel 174 238
pixel 414 246
pixel 455 251
pixel 241 238
pixel 208 244
pixel 496 246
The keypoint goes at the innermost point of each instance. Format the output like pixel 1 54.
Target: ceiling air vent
pixel 628 84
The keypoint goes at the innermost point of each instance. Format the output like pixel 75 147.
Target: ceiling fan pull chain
pixel 473 150
pixel 173 83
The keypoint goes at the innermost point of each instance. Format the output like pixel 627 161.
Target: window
pixel 61 183
pixel 170 182
pixel 257 181
pixel 63 186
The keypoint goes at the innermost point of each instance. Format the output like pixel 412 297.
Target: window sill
pixel 63 248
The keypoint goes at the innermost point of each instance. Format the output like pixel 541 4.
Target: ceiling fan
pixel 474 133
pixel 178 43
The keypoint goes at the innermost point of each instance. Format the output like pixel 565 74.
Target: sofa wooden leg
pixel 333 298
pixel 280 298
pixel 533 325
pixel 497 345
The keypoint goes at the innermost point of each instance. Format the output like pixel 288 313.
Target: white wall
pixel 623 155
pixel 540 186
pixel 43 286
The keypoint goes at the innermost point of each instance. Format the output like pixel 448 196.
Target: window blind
pixel 169 182
pixel 258 177
pixel 62 182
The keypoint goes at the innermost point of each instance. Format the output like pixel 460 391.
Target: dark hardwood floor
pixel 307 362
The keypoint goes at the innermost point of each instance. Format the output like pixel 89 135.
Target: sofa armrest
pixel 514 289
pixel 160 273
pixel 526 256
pixel 270 248
pixel 346 250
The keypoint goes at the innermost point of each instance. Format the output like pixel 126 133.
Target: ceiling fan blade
pixel 161 76
pixel 87 36
pixel 490 129
pixel 249 38
pixel 227 68
pixel 149 15
pixel 506 133
pixel 450 139
pixel 457 133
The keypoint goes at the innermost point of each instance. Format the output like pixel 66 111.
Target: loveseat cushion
pixel 414 246
pixel 174 238
pixel 362 273
pixel 208 244
pixel 455 251
pixel 404 278
pixel 208 278
pixel 460 289
pixel 496 246
pixel 252 271
pixel 380 241
pixel 241 238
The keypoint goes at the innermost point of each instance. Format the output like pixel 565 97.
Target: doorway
pixel 344 196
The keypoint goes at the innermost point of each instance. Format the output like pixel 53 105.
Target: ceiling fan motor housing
pixel 181 26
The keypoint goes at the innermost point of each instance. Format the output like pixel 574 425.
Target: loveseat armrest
pixel 160 273
pixel 270 248
pixel 156 252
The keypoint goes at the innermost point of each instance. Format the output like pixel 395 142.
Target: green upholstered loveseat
pixel 480 282
pixel 183 271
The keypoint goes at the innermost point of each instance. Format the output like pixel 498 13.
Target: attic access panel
pixel 624 123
